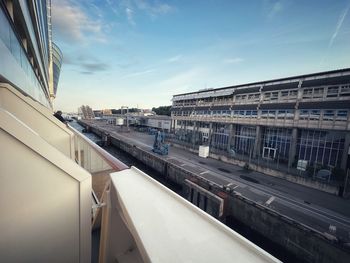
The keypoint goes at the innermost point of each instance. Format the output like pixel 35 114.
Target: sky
pixel 138 53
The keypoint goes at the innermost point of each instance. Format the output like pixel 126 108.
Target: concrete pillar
pixel 172 128
pixel 193 138
pixel 293 147
pixel 230 131
pixel 345 155
pixel 210 132
pixel 257 143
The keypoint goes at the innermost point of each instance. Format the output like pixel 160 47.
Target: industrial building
pixel 298 124
pixel 159 122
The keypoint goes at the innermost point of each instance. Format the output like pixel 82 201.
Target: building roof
pixel 338 72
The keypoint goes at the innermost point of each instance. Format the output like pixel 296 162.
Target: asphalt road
pixel 311 207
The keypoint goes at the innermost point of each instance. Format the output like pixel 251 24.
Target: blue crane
pixel 159 146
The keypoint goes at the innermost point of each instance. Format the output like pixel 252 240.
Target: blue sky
pixel 141 52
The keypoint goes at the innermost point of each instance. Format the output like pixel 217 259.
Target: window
pixel 332 92
pixel 320 147
pixel 293 93
pixel 267 96
pixel 264 114
pixel 345 91
pixel 342 115
pixel 304 115
pixel 226 113
pixel 274 95
pixel 281 114
pixel 328 115
pixel 318 93
pixel 315 115
pixel 254 97
pixel 307 93
pixel 289 114
pixel 285 93
pixel 272 114
pixel 254 114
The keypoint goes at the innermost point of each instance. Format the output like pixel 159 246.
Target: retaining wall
pixel 302 241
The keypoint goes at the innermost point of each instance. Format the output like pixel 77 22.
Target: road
pixel 311 207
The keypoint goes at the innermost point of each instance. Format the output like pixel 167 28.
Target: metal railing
pixel 92 157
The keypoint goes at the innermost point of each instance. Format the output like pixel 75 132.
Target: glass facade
pixel 244 140
pixel 321 148
pixel 276 144
pixel 32 85
pixel 220 135
pixel 56 64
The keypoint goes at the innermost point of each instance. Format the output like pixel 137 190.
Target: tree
pixel 162 110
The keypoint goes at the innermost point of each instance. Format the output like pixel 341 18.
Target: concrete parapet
pixel 302 241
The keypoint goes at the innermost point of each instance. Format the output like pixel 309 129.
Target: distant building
pixel 86 112
pixel 97 113
pixel 159 122
pixel 106 112
pixel 279 123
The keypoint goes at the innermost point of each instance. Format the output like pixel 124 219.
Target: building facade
pixel 299 123
pixel 26 49
pixel 86 112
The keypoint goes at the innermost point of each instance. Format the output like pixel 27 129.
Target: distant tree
pixel 134 110
pixel 114 111
pixel 162 110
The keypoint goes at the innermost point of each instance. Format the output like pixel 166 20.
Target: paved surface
pixel 311 207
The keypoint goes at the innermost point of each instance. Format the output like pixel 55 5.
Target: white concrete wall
pixel 45 199
pixel 160 124
pixel 38 118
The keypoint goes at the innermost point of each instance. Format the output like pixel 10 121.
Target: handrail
pixel 110 159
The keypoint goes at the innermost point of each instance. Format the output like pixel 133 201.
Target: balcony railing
pixel 92 157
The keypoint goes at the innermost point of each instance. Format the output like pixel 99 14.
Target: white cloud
pixel 233 60
pixel 273 7
pixel 133 7
pixel 175 58
pixel 153 8
pixel 140 73
pixel 130 15
pixel 181 82
pixel 71 23
pixel 339 25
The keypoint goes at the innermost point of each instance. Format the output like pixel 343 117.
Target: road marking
pixel 296 203
pixel 268 202
pixel 230 184
pixel 183 164
pixel 204 172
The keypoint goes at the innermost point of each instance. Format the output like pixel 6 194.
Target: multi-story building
pixel 283 122
pixel 29 60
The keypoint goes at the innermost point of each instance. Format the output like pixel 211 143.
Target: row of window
pixel 326 115
pixel 329 92
pixel 313 114
pixel 308 93
pixel 10 40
